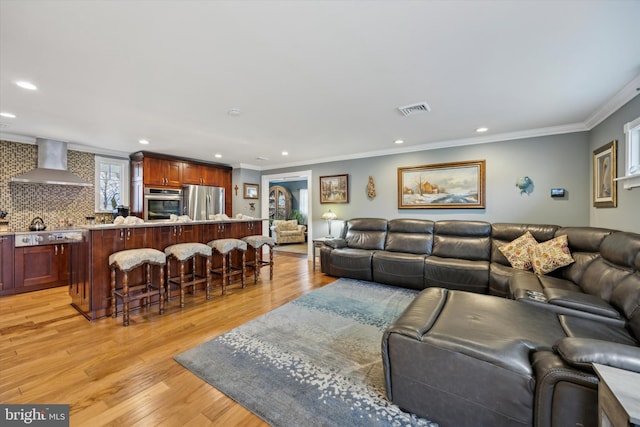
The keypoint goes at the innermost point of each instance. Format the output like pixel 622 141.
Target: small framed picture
pixel 251 191
pixel 334 189
pixel 604 173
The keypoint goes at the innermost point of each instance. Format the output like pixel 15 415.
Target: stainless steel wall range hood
pixel 52 166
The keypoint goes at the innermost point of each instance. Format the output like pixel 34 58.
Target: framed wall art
pixel 604 172
pixel 457 185
pixel 251 191
pixel 334 189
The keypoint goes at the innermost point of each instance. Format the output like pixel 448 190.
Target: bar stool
pixel 126 261
pixel 257 242
pixel 184 253
pixel 225 247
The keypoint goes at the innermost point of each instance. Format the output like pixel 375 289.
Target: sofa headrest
pixel 365 233
pixel 462 239
pixel 511 231
pixel 410 235
pixel 366 224
pixel 626 298
pixel 405 225
pixel 584 239
pixel 463 228
pixel 621 248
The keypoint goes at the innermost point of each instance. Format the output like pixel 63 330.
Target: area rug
pixel 315 361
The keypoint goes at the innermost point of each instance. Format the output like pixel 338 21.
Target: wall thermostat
pixel 557 192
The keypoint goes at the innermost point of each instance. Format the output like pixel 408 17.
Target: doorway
pixel 302 177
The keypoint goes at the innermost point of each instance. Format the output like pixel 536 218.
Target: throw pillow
pixel 517 251
pixel 550 255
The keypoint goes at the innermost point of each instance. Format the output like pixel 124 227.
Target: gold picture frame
pixel 251 191
pixel 455 185
pixel 334 189
pixel 604 173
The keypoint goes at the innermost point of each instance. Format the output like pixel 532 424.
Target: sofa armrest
pixel 581 301
pixel 336 243
pixel 583 352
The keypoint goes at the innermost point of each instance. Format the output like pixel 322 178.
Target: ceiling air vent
pixel 420 107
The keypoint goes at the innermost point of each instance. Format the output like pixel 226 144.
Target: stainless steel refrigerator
pixel 201 201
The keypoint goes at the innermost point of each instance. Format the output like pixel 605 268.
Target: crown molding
pixel 485 139
pixel 626 94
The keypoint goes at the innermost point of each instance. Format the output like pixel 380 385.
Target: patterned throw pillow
pixel 517 251
pixel 550 255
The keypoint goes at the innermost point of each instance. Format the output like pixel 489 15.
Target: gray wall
pixel 551 161
pixel 625 216
pixel 238 202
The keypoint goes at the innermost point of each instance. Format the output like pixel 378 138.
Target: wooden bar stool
pixel 184 253
pixel 257 242
pixel 225 248
pixel 126 261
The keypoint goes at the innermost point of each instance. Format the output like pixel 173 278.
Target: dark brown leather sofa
pixel 468 359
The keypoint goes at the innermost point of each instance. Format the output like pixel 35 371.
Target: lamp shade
pixel 329 215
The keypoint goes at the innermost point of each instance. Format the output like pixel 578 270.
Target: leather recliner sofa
pixel 462 358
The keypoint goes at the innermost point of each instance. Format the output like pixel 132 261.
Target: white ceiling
pixel 319 79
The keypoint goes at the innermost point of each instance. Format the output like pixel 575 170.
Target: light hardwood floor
pixel 112 375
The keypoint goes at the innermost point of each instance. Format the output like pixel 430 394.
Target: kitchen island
pixel 90 286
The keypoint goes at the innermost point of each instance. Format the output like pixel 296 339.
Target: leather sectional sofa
pixel 521 356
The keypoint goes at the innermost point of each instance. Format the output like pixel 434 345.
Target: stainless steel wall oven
pixel 161 203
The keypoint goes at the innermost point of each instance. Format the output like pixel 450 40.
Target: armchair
pixel 287 231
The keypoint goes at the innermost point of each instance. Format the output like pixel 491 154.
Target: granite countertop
pixel 164 223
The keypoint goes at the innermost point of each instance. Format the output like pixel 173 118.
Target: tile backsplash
pixel 55 204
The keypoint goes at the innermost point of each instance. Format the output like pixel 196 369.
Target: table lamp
pixel 329 216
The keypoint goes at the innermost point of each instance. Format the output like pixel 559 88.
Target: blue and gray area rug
pixel 315 361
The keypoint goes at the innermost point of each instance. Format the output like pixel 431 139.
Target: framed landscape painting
pixel 251 191
pixel 457 185
pixel 334 189
pixel 604 172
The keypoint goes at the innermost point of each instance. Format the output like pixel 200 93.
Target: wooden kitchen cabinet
pixel 168 235
pixel 162 172
pixel 158 170
pixel 41 267
pixel 6 265
pixel 103 244
pixel 93 298
pixel 79 284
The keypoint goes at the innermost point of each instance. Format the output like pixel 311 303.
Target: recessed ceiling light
pixel 26 85
pixel 285 153
pixel 217 155
pixel 482 129
pixel 234 112
pixel 261 158
pixel 8 115
pixel 399 141
pixel 143 141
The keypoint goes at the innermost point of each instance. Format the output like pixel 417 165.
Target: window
pixel 111 183
pixel 632 165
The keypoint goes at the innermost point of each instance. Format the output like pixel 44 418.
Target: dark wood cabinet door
pixel 135 237
pixel 163 236
pixel 36 267
pixel 192 174
pixel 173 173
pixel 154 171
pixel 6 265
pixel 79 284
pixel 189 233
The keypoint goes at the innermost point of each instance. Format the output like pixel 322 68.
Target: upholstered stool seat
pixel 224 248
pixel 185 253
pixel 126 261
pixel 257 242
